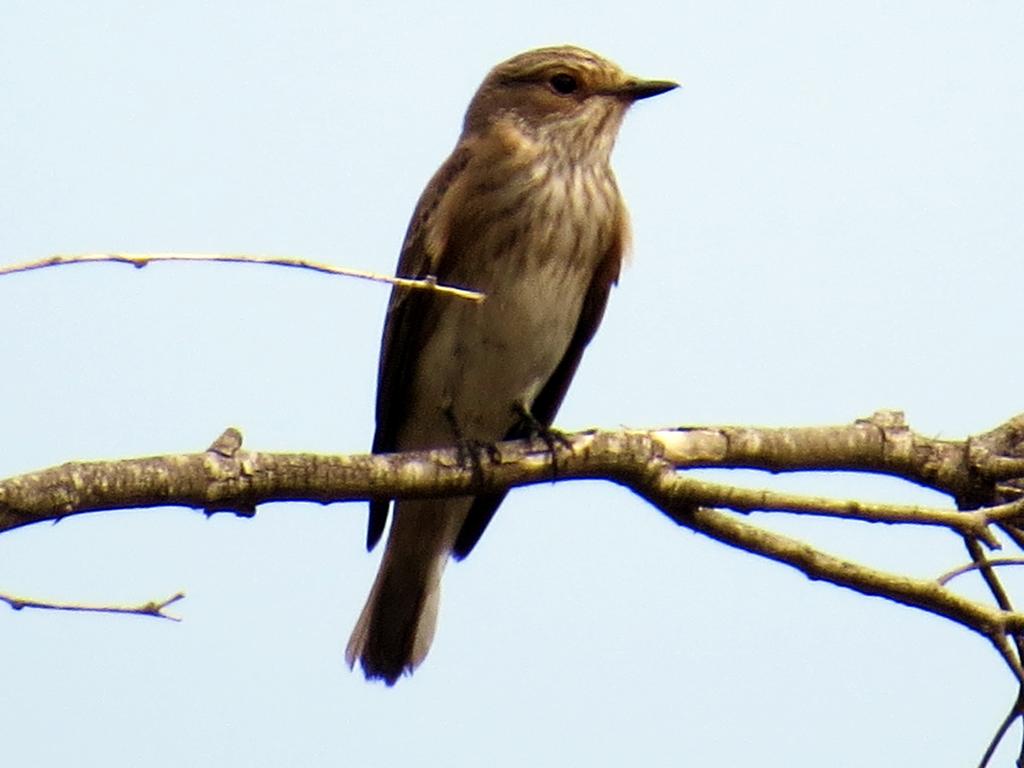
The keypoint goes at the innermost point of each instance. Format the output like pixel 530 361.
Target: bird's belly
pixel 483 360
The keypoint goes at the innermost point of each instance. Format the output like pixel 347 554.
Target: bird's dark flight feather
pixel 407 327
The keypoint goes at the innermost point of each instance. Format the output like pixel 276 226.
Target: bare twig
pixel 140 260
pixel 1004 726
pixel 949 575
pixel 974 522
pixel 925 594
pixel 152 608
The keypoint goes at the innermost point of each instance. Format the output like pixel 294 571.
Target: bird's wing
pixel 407 325
pixel 546 404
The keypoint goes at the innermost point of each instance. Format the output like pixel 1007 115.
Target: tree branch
pixel 983 474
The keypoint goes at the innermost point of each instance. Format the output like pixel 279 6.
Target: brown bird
pixel 525 210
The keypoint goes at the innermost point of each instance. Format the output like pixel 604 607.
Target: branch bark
pixel 984 475
pixel 227 478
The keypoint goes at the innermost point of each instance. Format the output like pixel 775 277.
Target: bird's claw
pixel 472 454
pixel 553 438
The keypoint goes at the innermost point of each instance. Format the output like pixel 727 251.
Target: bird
pixel 527 211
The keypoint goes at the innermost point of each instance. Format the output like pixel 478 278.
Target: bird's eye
pixel 563 83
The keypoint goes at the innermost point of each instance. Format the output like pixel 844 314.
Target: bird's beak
pixel 635 90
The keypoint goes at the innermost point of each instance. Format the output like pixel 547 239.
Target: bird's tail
pixel 396 626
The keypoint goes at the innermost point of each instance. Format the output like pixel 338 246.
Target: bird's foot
pixel 471 453
pixel 553 438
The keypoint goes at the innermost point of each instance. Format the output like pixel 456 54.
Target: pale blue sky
pixel 828 220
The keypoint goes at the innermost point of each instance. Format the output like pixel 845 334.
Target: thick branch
pixel 227 478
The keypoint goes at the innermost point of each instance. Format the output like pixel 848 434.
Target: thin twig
pixel 140 260
pixel 1004 726
pixel 745 500
pixel 999 640
pixel 948 576
pixel 1006 651
pixel 152 608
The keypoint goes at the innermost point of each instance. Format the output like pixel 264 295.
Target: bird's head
pixel 564 92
